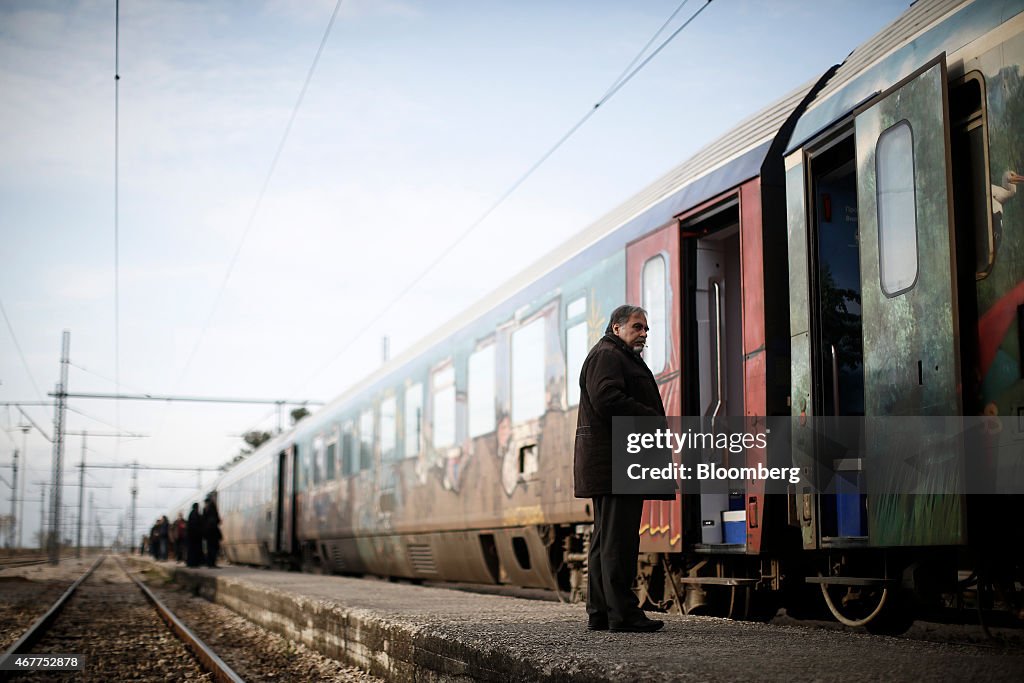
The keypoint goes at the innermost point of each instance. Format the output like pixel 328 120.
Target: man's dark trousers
pixel 614 547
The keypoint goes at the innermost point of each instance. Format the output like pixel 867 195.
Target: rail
pixel 205 656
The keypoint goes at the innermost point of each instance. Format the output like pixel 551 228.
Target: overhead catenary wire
pixel 644 49
pixel 33 423
pixel 78 411
pixel 105 378
pixel 194 399
pixel 21 354
pixel 259 198
pixel 614 88
pixel 10 427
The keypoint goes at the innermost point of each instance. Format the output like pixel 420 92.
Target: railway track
pixel 119 630
pixel 12 561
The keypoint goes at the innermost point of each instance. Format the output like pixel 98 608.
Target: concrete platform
pixel 412 633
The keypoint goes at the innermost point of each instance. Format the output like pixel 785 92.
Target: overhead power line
pixel 263 190
pixel 194 399
pixel 33 423
pixel 616 85
pixel 21 354
pixel 640 54
pixel 21 404
pixel 78 411
pixel 141 468
pixel 104 377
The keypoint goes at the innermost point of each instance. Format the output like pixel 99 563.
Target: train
pixel 854 249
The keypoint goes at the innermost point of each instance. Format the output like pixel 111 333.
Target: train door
pixel 880 336
pixel 652 280
pixel 284 534
pixel 909 302
pixel 713 310
pixel 837 356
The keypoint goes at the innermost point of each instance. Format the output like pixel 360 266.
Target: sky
pixel 239 276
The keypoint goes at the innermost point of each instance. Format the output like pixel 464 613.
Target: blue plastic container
pixel 734 527
pixel 848 504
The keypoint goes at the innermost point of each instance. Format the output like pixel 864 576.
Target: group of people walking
pixel 195 541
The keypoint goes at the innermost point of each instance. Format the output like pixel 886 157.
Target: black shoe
pixel 599 624
pixel 644 626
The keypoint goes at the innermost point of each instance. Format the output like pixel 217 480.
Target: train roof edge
pixel 927 29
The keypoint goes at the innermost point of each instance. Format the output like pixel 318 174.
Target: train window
pixel 897 211
pixel 318 459
pixel 528 371
pixel 443 384
pixel 332 453
pixel 576 308
pixel 481 391
pixel 348 456
pixel 388 426
pixel 575 348
pixel 653 282
pixel 413 420
pixel 366 440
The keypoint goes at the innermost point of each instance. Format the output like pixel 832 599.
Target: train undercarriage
pixel 882 590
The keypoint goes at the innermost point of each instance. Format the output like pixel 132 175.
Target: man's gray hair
pixel 621 315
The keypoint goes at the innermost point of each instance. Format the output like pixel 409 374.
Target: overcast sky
pixel 420 114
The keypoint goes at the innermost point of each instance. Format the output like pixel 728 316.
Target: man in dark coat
pixel 178 534
pixel 211 531
pixel 163 535
pixel 154 539
pixel 615 381
pixel 194 537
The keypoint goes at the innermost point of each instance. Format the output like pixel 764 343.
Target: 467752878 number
pixel 60 662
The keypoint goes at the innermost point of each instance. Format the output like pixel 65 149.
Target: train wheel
pixel 854 605
pixel 880 609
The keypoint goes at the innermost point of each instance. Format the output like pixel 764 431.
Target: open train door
pixel 908 298
pixel 652 281
pixel 284 533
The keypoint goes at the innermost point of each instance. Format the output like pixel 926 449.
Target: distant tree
pixel 254 440
pixel 298 414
